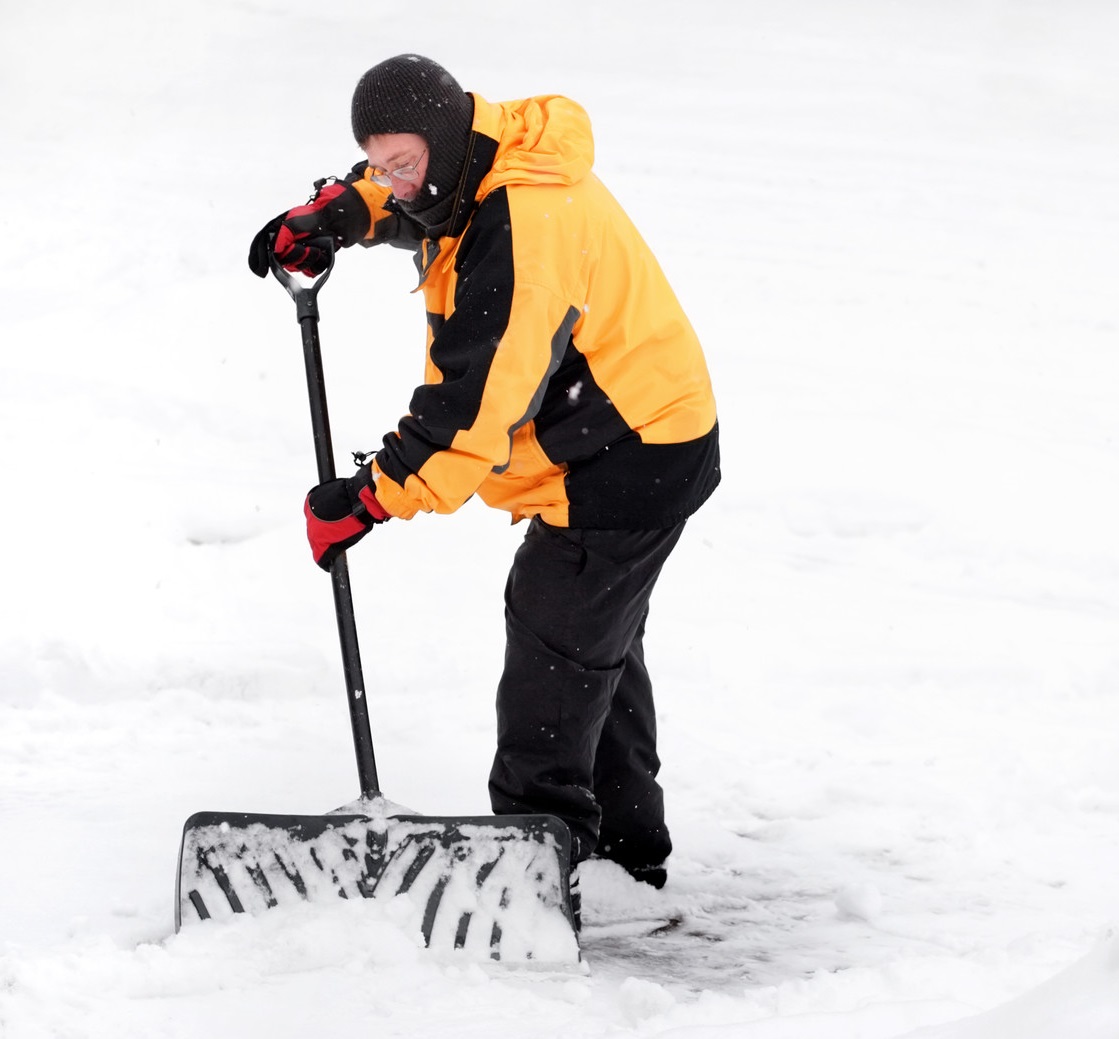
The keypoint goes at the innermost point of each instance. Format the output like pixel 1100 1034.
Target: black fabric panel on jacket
pixel 576 419
pixel 643 486
pixel 464 344
pixel 411 445
pixel 467 341
pixel 561 342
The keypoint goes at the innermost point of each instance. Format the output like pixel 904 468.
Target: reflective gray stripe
pixel 559 347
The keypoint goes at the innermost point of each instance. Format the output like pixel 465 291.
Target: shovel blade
pixel 495 887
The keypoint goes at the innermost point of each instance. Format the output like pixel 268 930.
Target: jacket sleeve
pixel 388 225
pixel 489 364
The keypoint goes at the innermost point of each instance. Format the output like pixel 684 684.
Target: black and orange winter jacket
pixel 562 379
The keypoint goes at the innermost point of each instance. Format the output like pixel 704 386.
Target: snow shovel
pixel 496 887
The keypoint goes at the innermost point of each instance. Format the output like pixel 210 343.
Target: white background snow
pixel 886 651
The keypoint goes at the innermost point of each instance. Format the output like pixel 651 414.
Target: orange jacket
pixel 563 379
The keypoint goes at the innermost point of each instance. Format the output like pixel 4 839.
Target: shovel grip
pixel 305 294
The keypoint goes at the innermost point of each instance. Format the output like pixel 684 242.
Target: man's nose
pixel 405 189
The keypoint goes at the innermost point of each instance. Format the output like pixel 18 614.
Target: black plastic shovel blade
pixel 493 886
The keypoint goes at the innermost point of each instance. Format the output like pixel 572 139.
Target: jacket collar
pixel 480 153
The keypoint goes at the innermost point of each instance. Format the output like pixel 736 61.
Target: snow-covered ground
pixel 887 651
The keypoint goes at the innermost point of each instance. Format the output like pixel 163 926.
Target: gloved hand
pixel 335 211
pixel 340 513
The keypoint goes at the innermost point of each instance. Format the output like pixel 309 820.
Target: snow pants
pixel 576 725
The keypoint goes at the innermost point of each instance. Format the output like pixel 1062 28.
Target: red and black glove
pixel 340 513
pixel 335 211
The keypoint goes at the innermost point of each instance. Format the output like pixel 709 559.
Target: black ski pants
pixel 576 726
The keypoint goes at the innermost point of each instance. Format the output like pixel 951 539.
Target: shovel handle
pixel 305 296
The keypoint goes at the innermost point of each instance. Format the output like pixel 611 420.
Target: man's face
pixel 393 154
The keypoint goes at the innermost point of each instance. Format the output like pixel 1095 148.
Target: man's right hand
pixel 336 211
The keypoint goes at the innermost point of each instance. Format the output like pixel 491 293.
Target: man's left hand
pixel 340 513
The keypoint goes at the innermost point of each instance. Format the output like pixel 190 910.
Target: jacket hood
pixel 540 140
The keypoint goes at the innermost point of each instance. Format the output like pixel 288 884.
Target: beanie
pixel 413 94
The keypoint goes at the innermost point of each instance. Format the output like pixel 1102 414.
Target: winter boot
pixel 655 876
pixel 576 899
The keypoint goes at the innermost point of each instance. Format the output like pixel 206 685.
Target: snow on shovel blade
pixel 493 886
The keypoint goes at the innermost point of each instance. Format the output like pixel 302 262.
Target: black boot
pixel 576 899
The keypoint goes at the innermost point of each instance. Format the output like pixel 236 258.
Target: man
pixel 563 384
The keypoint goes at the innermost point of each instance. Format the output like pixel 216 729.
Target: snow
pixel 885 652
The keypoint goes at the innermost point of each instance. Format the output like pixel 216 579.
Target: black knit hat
pixel 413 94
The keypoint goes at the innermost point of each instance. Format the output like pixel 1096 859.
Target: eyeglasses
pixel 404 173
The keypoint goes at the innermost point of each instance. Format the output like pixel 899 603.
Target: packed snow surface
pixel 886 651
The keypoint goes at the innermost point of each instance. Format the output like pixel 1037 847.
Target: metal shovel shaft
pixel 307 310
